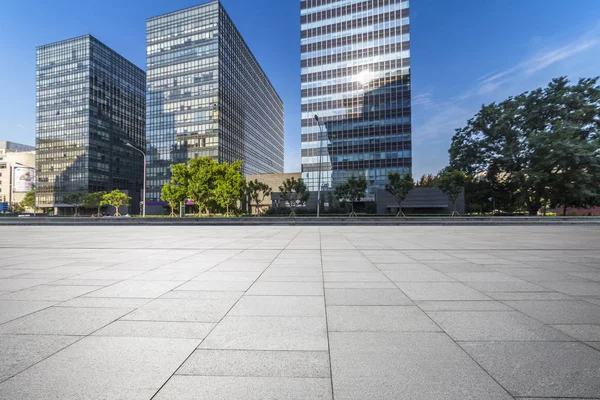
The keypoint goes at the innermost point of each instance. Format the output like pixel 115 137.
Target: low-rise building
pixel 274 181
pixel 17 172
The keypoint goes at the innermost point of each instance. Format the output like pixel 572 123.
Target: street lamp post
pixel 144 182
pixel 34 186
pixel 320 165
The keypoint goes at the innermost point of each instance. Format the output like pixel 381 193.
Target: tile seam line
pixel 326 314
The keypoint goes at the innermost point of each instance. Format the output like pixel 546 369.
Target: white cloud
pixel 539 61
pixel 20 126
pixel 434 122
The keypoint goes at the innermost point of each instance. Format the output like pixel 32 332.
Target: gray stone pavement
pixel 300 312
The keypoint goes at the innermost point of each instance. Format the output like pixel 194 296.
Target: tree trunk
pixel 565 211
pixel 535 204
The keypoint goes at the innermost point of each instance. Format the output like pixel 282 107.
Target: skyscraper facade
pixel 90 104
pixel 355 60
pixel 207 96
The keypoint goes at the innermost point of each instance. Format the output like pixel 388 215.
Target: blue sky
pixel 464 53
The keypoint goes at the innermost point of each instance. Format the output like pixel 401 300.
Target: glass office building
pixel 90 102
pixel 207 96
pixel 355 59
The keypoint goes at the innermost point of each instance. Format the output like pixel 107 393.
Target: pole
pixel 10 190
pixel 144 191
pixel 320 165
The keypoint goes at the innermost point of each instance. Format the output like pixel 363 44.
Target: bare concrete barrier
pixel 301 221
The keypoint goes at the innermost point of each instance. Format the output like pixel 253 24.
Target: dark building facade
pixel 90 103
pixel 355 59
pixel 207 96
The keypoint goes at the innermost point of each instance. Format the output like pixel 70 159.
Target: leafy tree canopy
pixel 115 199
pixel 543 144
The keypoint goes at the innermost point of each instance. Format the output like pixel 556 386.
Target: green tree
pixel 539 145
pixel 452 184
pixel 294 193
pixel 228 185
pixel 352 190
pixel 202 175
pixel 173 195
pixel 257 192
pixel 399 187
pixel 115 199
pixel 75 200
pixel 93 200
pixel 28 201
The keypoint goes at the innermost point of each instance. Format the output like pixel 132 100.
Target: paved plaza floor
pixel 176 313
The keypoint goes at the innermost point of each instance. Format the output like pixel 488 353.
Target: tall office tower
pixel 356 79
pixel 90 104
pixel 207 96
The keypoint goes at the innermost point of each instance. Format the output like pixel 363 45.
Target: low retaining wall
pixel 303 221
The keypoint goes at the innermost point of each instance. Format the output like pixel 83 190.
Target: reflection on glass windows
pixel 207 96
pixel 90 102
pixel 355 58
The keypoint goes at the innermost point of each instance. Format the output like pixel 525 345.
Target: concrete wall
pixel 419 201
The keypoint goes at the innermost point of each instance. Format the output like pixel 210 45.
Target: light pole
pixel 320 164
pixel 144 182
pixel 34 186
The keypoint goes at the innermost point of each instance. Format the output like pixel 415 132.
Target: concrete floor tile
pixel 157 329
pixel 422 275
pixel 540 369
pixel 494 325
pixel 291 364
pixel 105 302
pixel 16 284
pixel 269 333
pixel 230 276
pixel 360 285
pixel 12 309
pixel 137 289
pixel 19 352
pixel 184 310
pixel 50 293
pixel 63 321
pixel 286 289
pixel 559 312
pixel 406 365
pixel 366 297
pixel 245 388
pixel 378 319
pixel 219 286
pixel 102 368
pixel 440 291
pixel 584 333
pixel 354 277
pixel 462 306
pixel 279 306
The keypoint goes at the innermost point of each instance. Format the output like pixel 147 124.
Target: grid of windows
pixel 207 96
pixel 90 102
pixel 355 59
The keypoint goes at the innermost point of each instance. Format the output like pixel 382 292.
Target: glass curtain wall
pixel 90 102
pixel 355 60
pixel 207 96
